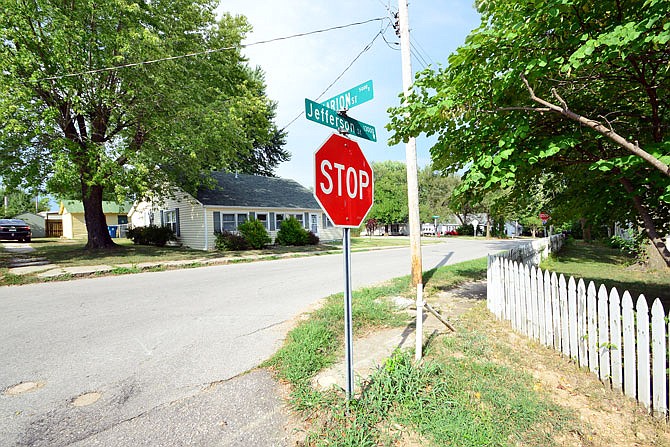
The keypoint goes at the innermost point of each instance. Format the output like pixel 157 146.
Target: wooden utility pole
pixel 412 179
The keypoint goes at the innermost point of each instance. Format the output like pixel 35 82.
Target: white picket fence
pixel 602 331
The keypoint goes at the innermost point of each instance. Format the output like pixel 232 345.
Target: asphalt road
pixel 146 342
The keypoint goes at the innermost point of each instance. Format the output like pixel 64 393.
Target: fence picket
pixel 565 330
pixel 615 339
pixel 592 319
pixel 556 310
pixel 517 297
pixel 643 373
pixel 582 332
pixel 603 336
pixel 541 311
pixel 659 356
pixel 548 320
pixel 534 309
pixel 525 302
pixel 629 363
pixel 572 317
pixel 611 335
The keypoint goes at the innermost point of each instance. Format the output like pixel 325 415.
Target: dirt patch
pixel 611 418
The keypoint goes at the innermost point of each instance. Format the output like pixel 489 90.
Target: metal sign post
pixel 348 321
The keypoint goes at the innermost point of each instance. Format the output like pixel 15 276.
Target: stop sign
pixel 343 183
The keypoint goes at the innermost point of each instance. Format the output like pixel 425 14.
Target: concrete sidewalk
pixel 372 350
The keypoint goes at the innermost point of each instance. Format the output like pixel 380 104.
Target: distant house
pixel 234 199
pixel 36 222
pixel 74 225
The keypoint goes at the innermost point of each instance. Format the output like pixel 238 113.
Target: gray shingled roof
pixel 256 191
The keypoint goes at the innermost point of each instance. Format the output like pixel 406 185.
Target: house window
pixel 171 220
pixel 262 218
pixel 300 219
pixel 228 222
pixel 279 218
pixel 241 218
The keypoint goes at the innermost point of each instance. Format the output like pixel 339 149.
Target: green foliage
pixel 606 60
pixel 633 246
pixel 435 194
pixel 132 131
pixel 227 241
pixel 291 232
pixel 390 201
pixel 151 235
pixel 254 233
pixel 466 230
pixel 18 201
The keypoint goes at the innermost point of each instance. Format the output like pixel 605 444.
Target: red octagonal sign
pixel 344 184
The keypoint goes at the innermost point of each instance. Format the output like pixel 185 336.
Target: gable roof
pixel 256 191
pixel 75 206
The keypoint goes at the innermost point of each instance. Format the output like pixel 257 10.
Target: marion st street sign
pixel 329 117
pixel 351 98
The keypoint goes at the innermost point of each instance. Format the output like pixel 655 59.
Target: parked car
pixel 15 229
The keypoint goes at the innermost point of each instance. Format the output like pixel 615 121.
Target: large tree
pixel 126 98
pixel 570 89
pixel 390 201
pixel 435 193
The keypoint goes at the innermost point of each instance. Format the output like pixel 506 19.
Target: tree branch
pixel 600 128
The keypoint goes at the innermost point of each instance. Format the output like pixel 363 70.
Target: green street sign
pixel 352 97
pixel 328 117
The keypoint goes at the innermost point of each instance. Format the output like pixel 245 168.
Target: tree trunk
pixel 649 225
pixel 96 224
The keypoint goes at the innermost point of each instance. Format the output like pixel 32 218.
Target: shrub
pixel 254 233
pixel 227 241
pixel 312 239
pixel 291 233
pixel 466 230
pixel 151 235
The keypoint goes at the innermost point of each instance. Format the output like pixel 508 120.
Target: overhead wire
pixel 205 52
pixel 366 48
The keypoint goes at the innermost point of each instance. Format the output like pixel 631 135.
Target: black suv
pixel 15 229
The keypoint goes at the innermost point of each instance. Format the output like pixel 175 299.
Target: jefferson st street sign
pixel 328 117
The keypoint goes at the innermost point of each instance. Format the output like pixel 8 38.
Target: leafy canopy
pixel 607 60
pixel 132 130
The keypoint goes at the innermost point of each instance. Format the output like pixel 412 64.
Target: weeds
pixel 460 393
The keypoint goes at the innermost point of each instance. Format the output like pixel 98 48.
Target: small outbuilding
pixel 36 222
pixel 74 224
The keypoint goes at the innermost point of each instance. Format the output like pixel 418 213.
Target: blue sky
pixel 303 67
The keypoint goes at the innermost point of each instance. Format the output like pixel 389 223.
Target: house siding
pixel 196 221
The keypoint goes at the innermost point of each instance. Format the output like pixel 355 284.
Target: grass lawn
pixel 480 386
pixel 70 253
pixel 603 265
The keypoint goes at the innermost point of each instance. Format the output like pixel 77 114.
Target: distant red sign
pixel 544 217
pixel 343 181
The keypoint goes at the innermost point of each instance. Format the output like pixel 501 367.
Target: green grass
pixel 468 398
pixel 603 265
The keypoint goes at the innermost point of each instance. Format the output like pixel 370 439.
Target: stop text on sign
pixel 343 181
pixel 356 180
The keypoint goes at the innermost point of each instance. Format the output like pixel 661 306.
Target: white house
pixel 234 199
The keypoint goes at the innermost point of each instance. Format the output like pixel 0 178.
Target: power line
pixel 217 50
pixel 366 48
pixel 423 50
pixel 417 55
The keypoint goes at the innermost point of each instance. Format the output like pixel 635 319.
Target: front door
pixel 314 223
